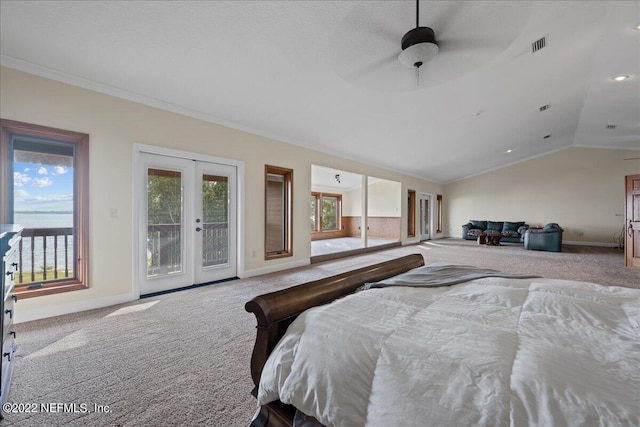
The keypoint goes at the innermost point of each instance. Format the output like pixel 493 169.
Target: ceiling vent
pixel 611 126
pixel 538 44
pixel 545 107
pixel 547 136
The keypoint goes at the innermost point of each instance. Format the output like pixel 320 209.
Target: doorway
pixel 187 222
pixel 425 216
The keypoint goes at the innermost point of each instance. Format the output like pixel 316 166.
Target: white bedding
pixel 489 352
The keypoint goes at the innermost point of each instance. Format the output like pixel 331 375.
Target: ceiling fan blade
pixel 371 67
pixel 460 45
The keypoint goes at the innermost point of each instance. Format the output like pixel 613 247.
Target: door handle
pixel 198 229
pixel 630 229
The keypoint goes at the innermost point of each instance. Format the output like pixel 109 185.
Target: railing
pixel 45 254
pixel 164 248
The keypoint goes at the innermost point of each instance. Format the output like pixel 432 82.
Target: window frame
pixel 411 213
pixel 80 202
pixel 287 174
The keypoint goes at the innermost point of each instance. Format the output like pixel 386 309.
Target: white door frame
pixel 137 193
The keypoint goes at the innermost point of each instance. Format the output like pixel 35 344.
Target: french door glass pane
pixel 164 222
pixel 215 213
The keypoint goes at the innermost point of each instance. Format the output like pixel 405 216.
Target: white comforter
pixel 489 352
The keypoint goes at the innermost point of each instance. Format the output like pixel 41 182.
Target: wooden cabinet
pixel 10 236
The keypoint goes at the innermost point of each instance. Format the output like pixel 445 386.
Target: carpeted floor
pixel 182 359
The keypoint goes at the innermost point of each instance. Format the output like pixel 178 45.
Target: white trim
pixel 139 148
pixel 601 244
pixel 274 268
pixel 72 307
pixel 606 147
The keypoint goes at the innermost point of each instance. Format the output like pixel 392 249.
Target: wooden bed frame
pixel 276 310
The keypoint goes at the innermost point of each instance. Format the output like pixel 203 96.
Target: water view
pixel 35 260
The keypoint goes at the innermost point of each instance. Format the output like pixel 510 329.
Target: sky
pixel 38 187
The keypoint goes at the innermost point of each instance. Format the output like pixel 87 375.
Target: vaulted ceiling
pixel 325 74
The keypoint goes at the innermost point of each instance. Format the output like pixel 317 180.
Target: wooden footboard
pixel 276 310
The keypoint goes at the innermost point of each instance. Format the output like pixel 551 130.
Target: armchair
pixel 547 238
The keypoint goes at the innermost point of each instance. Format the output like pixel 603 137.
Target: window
pixel 411 214
pixel 328 208
pixel 439 213
pixel 330 212
pixel 46 189
pixel 278 211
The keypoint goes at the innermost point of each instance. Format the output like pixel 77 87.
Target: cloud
pixel 42 182
pixel 60 170
pixel 20 193
pixel 43 171
pixel 27 169
pixel 20 179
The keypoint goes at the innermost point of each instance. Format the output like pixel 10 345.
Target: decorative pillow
pixel 511 226
pixel 495 226
pixel 510 234
pixel 552 227
pixel 480 225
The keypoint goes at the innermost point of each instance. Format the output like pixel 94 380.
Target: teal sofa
pixel 512 232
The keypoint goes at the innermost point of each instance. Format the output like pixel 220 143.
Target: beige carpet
pixel 182 359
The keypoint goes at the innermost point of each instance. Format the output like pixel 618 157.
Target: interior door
pixel 632 235
pixel 187 229
pixel 425 214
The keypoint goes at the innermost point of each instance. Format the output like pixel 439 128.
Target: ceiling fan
pixel 418 46
pixel 373 47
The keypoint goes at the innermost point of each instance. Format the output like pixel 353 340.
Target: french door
pixel 187 223
pixel 425 214
pixel 632 226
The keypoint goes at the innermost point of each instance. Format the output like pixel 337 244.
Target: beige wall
pixel 384 198
pixel 582 189
pixel 352 203
pixel 114 125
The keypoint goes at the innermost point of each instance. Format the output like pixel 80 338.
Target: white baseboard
pixel 275 268
pixel 605 245
pixel 68 307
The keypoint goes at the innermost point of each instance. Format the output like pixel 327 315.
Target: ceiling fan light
pixel 418 54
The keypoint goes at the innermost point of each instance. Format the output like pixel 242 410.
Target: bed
pixel 397 344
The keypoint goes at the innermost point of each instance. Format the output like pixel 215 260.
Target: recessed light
pixel 637 26
pixel 620 78
pixel 509 151
pixel 477 113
